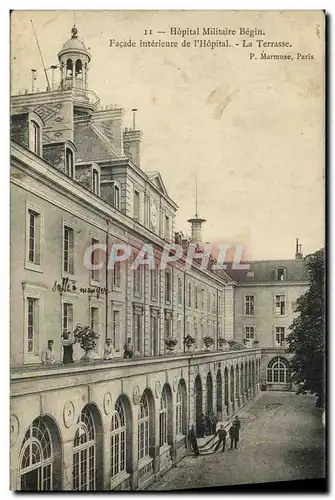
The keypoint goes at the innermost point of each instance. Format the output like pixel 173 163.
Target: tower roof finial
pixel 74 32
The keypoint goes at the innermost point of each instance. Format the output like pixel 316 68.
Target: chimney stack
pixel 33 79
pixel 132 141
pixel 298 254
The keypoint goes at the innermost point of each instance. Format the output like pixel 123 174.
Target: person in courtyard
pixel 213 422
pixel 234 432
pixel 67 342
pixel 222 435
pixel 193 441
pixel 48 355
pixel 128 349
pixel 109 350
pixel 237 422
pixel 202 426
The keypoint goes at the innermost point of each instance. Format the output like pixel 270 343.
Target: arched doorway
pixel 246 379
pixel 121 437
pixel 209 387
pixel 165 423
pixel 181 409
pixel 198 402
pixel 278 374
pixel 145 424
pixel 241 382
pixel 237 383
pixel 41 457
pixel 249 376
pixel 226 390
pixel 232 388
pixel 254 376
pixel 87 473
pixel 219 395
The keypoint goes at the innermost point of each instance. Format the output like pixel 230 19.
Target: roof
pixel 264 271
pixel 91 144
pixel 74 43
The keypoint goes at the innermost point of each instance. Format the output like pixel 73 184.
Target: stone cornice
pixel 278 284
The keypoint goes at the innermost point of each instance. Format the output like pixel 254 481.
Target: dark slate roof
pixel 264 271
pixel 91 146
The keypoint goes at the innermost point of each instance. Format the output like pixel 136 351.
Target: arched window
pixel 84 453
pixel 95 182
pixel 118 440
pixel 278 371
pixel 280 274
pixel 241 381
pixel 116 196
pixel 79 69
pixel 163 419
pixel 69 168
pixel 232 384
pixel 209 386
pixel 36 138
pixel 69 68
pixel 36 459
pixel 143 427
pixel 180 410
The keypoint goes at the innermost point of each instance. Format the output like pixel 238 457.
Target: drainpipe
pixel 184 328
pixel 106 279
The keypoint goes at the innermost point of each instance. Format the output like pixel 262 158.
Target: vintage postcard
pixel 167 249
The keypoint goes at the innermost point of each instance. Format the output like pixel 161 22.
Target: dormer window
pixel 116 197
pixel 36 138
pixel 280 274
pixel 69 167
pixel 96 182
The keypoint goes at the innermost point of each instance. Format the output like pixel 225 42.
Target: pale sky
pixel 252 130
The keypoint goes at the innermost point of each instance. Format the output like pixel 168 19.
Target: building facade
pixel 76 181
pixel 265 302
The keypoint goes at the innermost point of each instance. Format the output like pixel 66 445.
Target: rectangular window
pixel 168 287
pixel 214 303
pixel 196 297
pixel 167 228
pixel 67 320
pixel 68 249
pixel 34 237
pixel 138 281
pixel 249 305
pixel 32 324
pixel 167 327
pixel 208 302
pixel 94 261
pixel 96 184
pixel 280 336
pixel 138 332
pixel 116 329
pixel 179 330
pixel 154 283
pixel 202 298
pixel 117 275
pixel 280 305
pixel 95 319
pixel 189 294
pixel 180 292
pixel 136 206
pixel 154 343
pixel 116 197
pixel 249 334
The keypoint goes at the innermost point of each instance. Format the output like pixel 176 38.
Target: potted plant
pixel 86 338
pixel 171 343
pixel 189 341
pixel 208 341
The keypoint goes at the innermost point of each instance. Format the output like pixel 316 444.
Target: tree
pixel 307 337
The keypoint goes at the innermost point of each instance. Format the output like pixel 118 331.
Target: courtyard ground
pixel 281 439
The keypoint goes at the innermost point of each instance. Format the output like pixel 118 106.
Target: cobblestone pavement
pixel 281 439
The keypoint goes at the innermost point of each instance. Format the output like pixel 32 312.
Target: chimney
pixel 131 144
pixel 298 254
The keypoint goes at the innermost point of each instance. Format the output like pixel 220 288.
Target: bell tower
pixel 74 59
